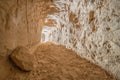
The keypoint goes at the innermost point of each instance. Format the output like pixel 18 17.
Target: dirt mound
pixel 55 62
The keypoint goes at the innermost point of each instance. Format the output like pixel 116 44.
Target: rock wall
pixel 21 22
pixel 91 28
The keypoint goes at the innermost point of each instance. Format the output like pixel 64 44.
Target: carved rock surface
pixel 23 59
pixel 89 27
pixel 21 22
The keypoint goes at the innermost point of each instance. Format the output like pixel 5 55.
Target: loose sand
pixel 55 62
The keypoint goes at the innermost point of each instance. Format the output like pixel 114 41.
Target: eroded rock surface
pixel 22 58
pixel 91 28
pixel 21 22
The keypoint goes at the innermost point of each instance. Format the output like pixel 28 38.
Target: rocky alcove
pixel 59 39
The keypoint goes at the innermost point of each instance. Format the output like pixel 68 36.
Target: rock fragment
pixel 22 58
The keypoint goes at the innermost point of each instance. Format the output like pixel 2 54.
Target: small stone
pixel 22 58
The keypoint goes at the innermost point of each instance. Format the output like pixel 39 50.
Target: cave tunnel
pixel 59 39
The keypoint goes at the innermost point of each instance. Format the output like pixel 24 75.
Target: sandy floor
pixel 58 63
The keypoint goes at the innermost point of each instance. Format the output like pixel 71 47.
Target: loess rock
pixel 23 59
pixel 89 27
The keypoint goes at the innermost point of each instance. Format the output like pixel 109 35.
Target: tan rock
pixel 23 59
pixel 90 28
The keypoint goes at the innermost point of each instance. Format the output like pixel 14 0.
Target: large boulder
pixel 22 58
